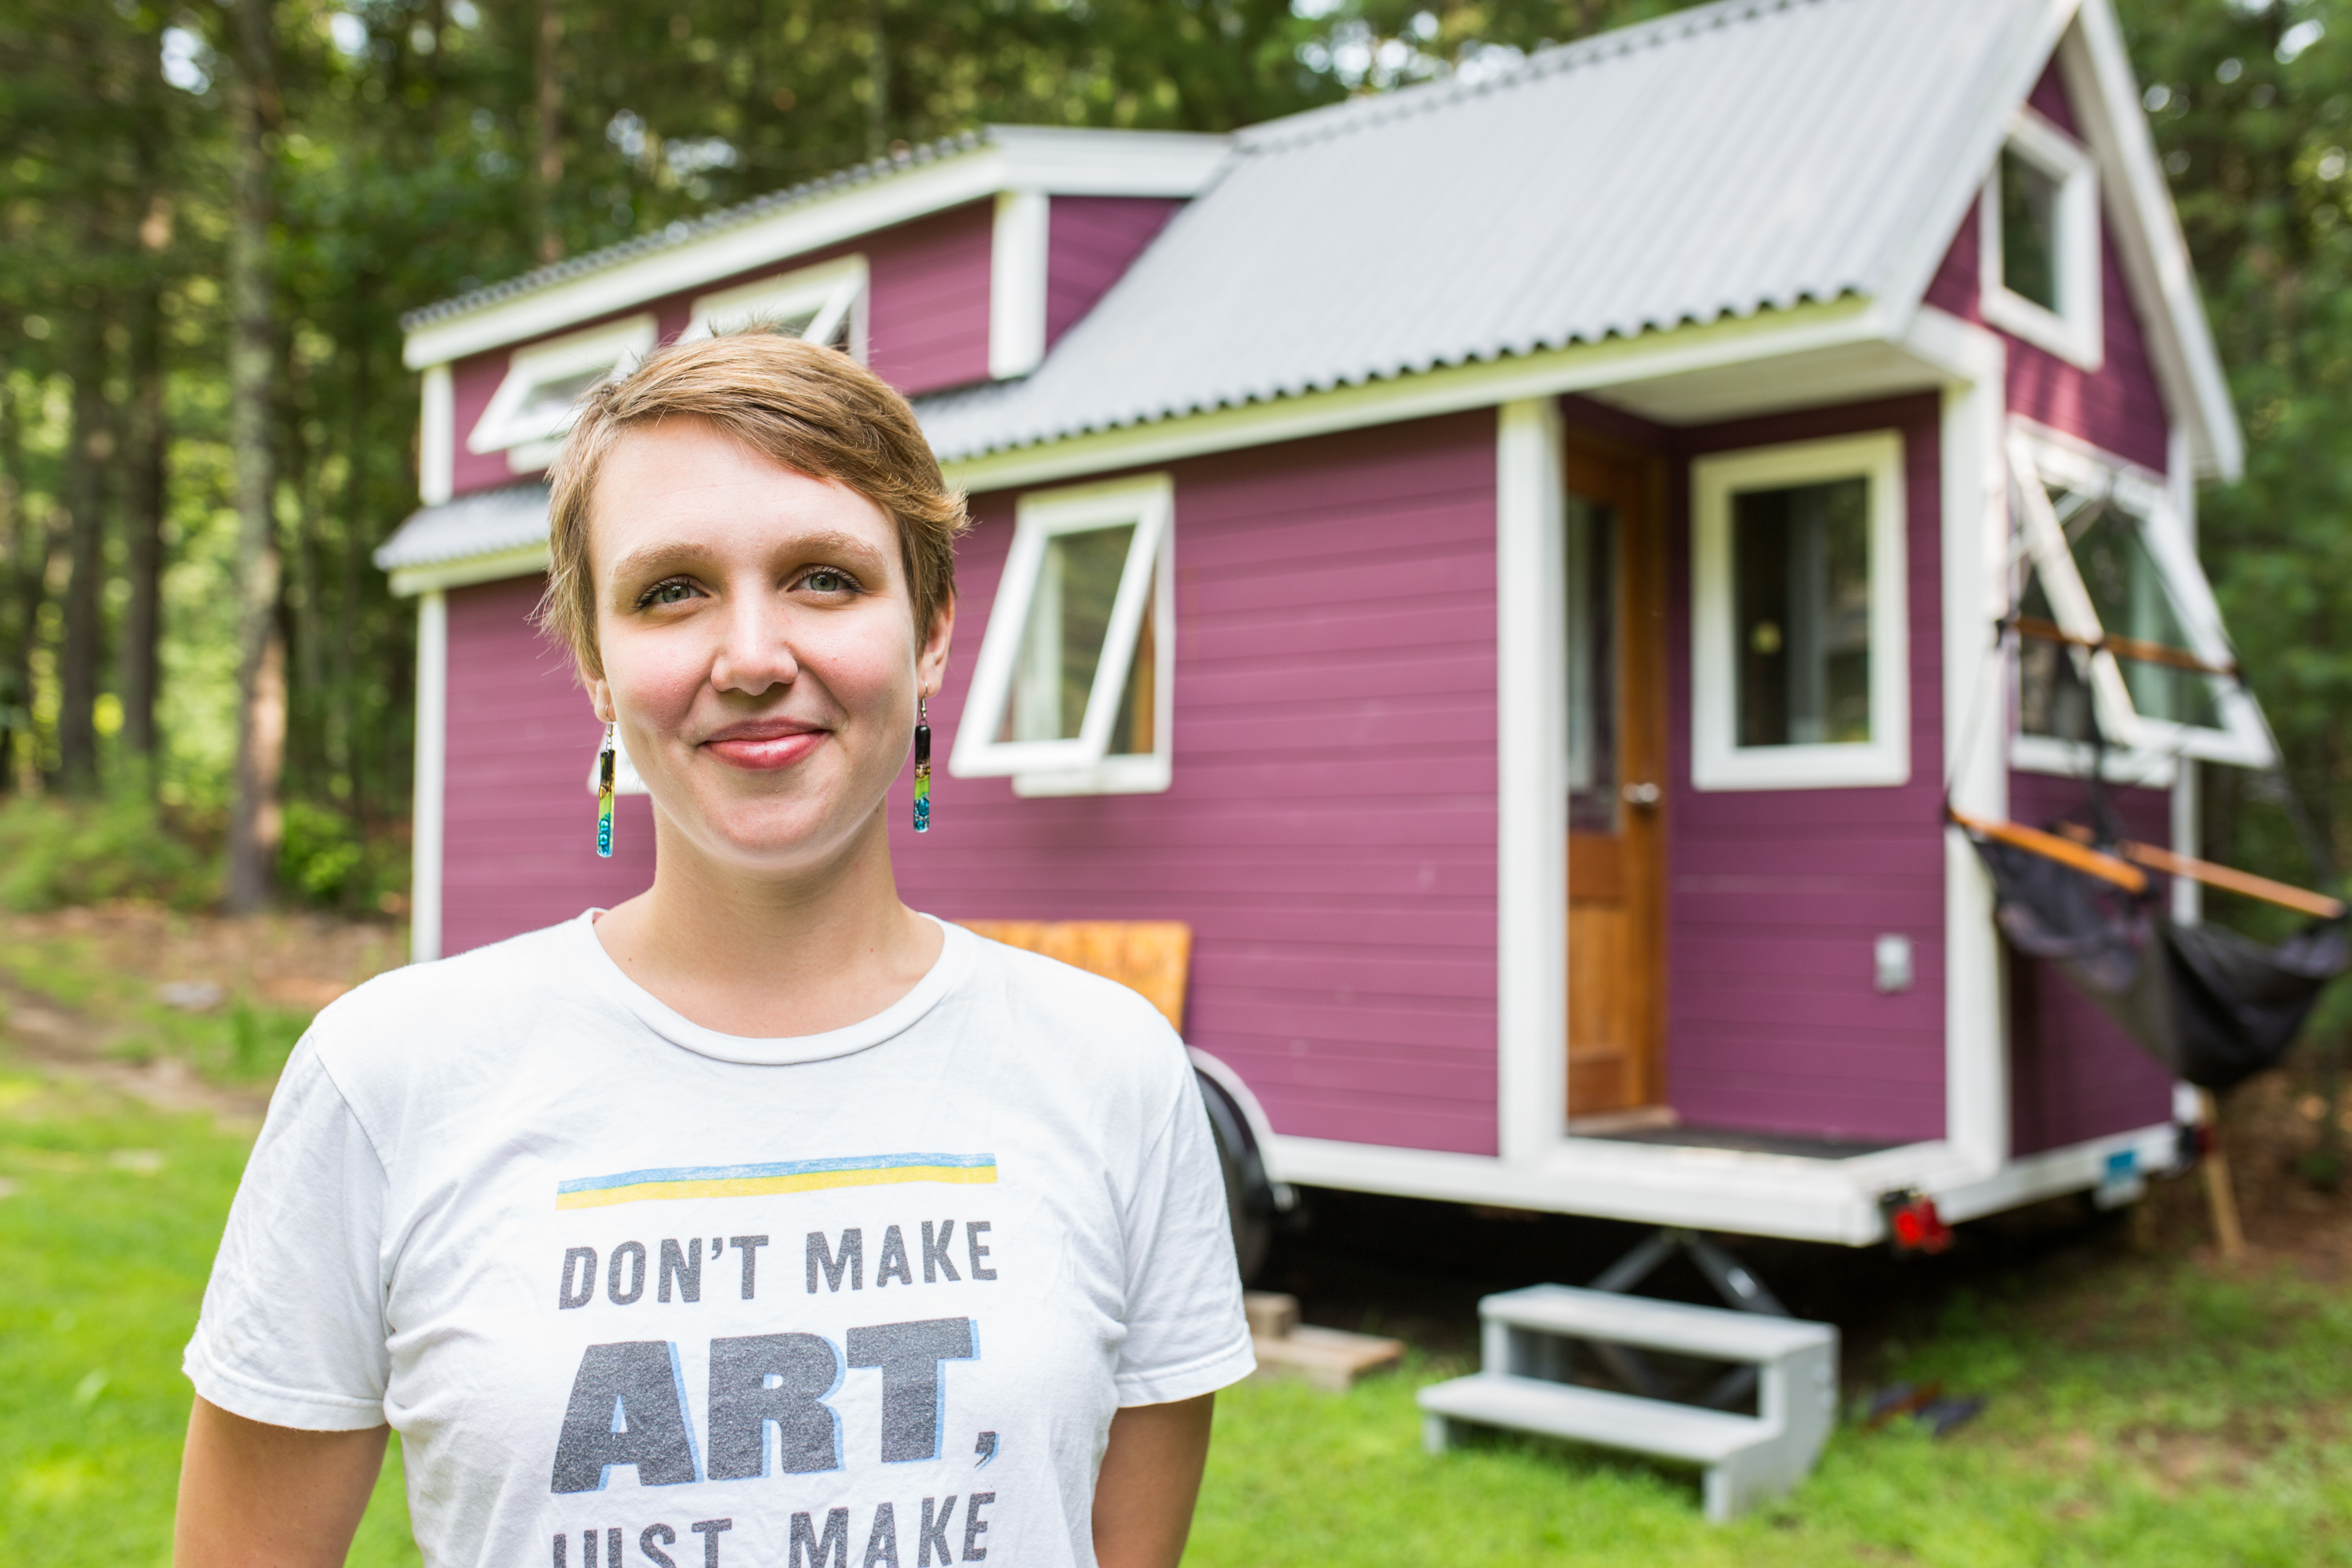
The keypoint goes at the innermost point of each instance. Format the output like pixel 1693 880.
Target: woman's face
pixel 758 643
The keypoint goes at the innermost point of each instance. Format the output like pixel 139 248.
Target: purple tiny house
pixel 1514 565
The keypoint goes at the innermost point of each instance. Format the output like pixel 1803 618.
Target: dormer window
pixel 826 304
pixel 537 402
pixel 2040 220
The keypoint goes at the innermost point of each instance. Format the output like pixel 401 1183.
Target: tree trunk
pixel 142 521
pixel 253 818
pixel 89 451
pixel 550 83
pixel 28 550
pixel 878 81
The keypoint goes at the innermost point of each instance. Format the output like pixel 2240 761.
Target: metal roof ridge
pixel 682 230
pixel 1368 110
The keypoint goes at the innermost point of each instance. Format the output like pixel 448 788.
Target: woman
pixel 759 1220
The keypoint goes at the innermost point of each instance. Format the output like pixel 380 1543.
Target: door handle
pixel 1643 796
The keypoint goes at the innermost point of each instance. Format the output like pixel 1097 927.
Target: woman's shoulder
pixel 411 1016
pixel 1058 1006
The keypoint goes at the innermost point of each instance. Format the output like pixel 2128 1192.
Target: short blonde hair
pixel 811 409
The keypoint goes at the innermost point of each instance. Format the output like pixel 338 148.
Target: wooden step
pixel 1682 1432
pixel 1709 1332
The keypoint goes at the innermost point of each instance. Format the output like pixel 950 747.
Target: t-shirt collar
pixel 946 972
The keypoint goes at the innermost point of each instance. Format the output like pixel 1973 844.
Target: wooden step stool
pixel 1524 1338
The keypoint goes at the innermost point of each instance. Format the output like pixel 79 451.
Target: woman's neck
pixel 766 957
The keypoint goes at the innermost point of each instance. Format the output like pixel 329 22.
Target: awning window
pixel 1070 693
pixel 826 304
pixel 2116 619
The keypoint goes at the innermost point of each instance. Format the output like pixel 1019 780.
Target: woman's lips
pixel 764 746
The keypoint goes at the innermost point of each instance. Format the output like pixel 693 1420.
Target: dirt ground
pixel 69 978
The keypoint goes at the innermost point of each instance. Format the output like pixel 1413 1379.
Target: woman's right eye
pixel 676 591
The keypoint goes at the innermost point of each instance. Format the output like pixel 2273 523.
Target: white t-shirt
pixel 636 1294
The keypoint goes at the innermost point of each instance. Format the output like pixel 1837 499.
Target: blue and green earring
pixel 922 766
pixel 604 794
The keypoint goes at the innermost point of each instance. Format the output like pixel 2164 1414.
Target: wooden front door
pixel 1616 765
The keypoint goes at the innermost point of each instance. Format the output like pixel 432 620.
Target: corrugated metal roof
pixel 1745 156
pixel 684 231
pixel 487 523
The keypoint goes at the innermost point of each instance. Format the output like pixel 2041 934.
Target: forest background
pixel 213 214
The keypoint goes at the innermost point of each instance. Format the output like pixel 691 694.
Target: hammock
pixel 2213 1007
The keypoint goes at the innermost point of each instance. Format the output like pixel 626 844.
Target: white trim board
pixel 2075 330
pixel 1784 1195
pixel 465 573
pixel 1053 160
pixel 432 772
pixel 1531 786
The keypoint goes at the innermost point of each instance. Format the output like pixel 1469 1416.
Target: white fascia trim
pixel 442 576
pixel 2098 75
pixel 1420 395
pixel 1017 283
pixel 1717 760
pixel 1975 572
pixel 1781 1195
pixel 2076 332
pixel 432 772
pixel 436 436
pixel 1531 803
pixel 1059 163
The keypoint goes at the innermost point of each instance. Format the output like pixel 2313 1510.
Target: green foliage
pixel 56 852
pixel 324 860
pixel 106 1239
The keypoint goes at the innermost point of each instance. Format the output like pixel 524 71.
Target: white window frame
pixel 2038 457
pixel 2075 330
pixel 834 290
pixel 1718 761
pixel 1079 765
pixel 530 443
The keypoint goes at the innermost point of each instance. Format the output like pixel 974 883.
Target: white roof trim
pixel 2155 254
pixel 1010 158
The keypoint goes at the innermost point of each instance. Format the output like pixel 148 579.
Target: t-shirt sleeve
pixel 292 1331
pixel 1186 1335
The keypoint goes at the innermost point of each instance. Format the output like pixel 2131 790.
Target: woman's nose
pixel 755 653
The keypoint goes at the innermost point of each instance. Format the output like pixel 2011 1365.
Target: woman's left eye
pixel 676 591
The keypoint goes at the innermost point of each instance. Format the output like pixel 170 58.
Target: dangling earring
pixel 922 766
pixel 604 793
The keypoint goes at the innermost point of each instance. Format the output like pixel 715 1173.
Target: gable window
pixel 2119 639
pixel 1798 652
pixel 2040 224
pixel 826 304
pixel 537 402
pixel 1071 694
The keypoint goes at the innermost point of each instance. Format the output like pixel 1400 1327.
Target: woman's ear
pixel 931 657
pixel 600 695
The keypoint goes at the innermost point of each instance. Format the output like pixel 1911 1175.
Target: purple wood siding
pixel 1091 240
pixel 2121 408
pixel 519 847
pixel 1775 896
pixel 927 319
pixel 2073 1073
pixel 1330 834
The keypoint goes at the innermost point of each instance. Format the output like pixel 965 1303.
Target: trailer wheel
pixel 1250 1202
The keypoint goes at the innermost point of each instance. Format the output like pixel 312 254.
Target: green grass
pixel 239 1042
pixel 105 1242
pixel 2146 1415
pixel 2143 1412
